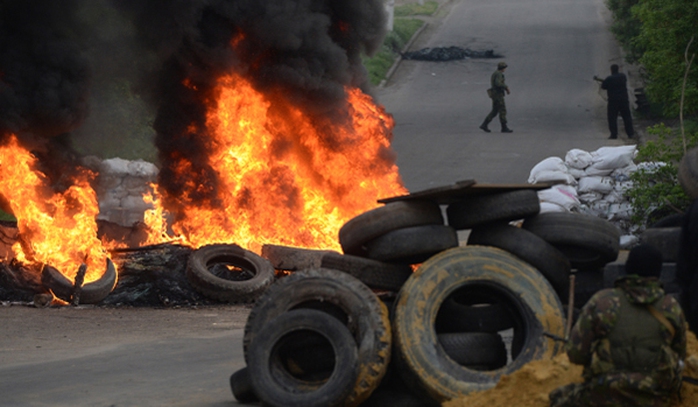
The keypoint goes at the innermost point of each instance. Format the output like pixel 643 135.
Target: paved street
pixel 127 357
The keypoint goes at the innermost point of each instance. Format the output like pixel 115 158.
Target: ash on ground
pixel 448 54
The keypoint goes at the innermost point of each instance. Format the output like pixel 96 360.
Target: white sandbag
pixel 562 195
pixel 650 166
pixel 613 157
pixel 590 197
pixel 546 207
pixel 617 211
pixel 614 197
pixel 592 171
pixel 576 172
pixel 555 177
pixel 628 241
pixel 548 164
pixel 624 173
pixel 622 187
pixel 578 159
pixel 603 185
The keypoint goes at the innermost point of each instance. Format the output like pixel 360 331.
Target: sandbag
pixel 578 159
pixel 603 185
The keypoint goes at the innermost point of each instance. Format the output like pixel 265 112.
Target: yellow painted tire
pixel 421 361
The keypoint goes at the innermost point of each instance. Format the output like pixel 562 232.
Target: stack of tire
pixel 430 335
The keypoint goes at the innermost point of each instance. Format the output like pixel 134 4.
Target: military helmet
pixel 502 65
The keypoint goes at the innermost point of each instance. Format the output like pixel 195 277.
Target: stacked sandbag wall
pixel 594 183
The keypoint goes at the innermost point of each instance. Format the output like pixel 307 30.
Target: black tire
pixel 278 387
pixel 379 221
pixel 587 241
pixel 529 248
pixel 91 293
pixel 475 349
pixel 241 386
pixel 688 173
pixel 586 284
pixel 466 311
pixel 666 240
pixel 253 275
pixel 480 210
pixel 669 221
pixel 494 272
pixel 412 245
pixel 293 258
pixel 375 274
pixel 345 297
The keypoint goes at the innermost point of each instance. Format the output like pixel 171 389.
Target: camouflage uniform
pixel 498 88
pixel 630 358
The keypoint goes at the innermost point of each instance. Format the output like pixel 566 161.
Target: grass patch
pixel 378 65
pixel 415 9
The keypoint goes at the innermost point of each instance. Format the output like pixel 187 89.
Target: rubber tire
pixel 529 248
pixel 670 221
pixel 412 245
pixel 667 240
pixel 214 287
pixel 472 314
pixel 375 274
pixel 293 258
pixel 420 362
pixel 589 242
pixel 688 173
pixel 241 386
pixel 475 349
pixel 91 293
pixel 366 314
pixel 480 210
pixel 276 387
pixel 379 221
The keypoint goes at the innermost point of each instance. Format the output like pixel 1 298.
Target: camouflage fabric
pixel 498 87
pixel 590 344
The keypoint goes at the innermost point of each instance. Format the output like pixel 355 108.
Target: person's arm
pixel 671 309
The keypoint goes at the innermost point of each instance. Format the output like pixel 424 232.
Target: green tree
pixel 626 27
pixel 666 28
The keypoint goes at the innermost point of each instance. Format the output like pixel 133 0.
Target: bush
pixel 656 191
pixel 426 9
pixel 378 65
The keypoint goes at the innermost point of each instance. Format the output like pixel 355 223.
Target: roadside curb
pixel 398 59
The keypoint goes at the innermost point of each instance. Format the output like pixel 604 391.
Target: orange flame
pixel 58 229
pixel 286 178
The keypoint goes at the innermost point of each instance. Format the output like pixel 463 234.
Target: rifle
pixel 597 79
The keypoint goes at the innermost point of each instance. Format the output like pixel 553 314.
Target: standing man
pixel 617 90
pixel 496 92
pixel 631 340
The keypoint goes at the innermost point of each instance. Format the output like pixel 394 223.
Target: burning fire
pixel 285 178
pixel 58 229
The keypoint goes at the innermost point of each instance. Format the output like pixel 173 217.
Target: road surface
pixel 183 357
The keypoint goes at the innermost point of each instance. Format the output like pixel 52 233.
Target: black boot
pixel 505 129
pixel 484 128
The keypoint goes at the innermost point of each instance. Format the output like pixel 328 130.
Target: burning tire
pixel 476 350
pixel 412 245
pixel 229 273
pixel 241 386
pixel 90 293
pixel 480 210
pixel 379 221
pixel 529 248
pixel 587 241
pixel 342 296
pixel 275 383
pixel 492 272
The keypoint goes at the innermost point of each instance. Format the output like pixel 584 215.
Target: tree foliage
pixel 665 29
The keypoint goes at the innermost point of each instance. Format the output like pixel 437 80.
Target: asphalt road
pixel 133 357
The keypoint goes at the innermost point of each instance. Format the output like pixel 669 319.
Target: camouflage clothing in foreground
pixel 630 358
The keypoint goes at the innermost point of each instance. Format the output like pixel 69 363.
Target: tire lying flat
pixel 253 275
pixel 412 245
pixel 419 361
pixel 587 241
pixel 379 221
pixel 276 386
pixel 343 296
pixel 480 210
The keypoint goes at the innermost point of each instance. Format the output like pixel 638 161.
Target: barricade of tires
pixel 470 312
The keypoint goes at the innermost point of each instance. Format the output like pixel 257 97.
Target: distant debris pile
pixel 448 54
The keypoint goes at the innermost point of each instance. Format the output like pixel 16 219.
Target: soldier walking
pixel 496 92
pixel 631 340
